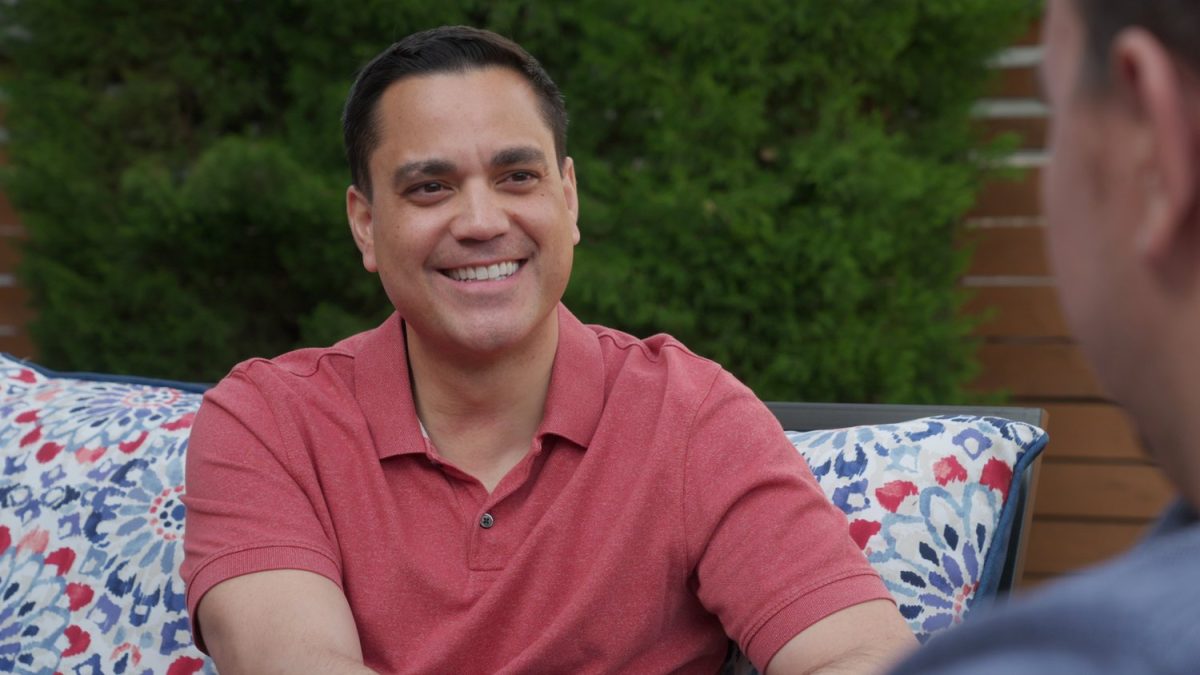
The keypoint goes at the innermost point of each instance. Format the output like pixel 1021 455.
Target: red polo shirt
pixel 660 509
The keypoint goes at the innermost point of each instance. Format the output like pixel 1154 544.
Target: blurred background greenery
pixel 775 182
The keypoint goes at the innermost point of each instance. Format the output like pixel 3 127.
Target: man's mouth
pixel 493 272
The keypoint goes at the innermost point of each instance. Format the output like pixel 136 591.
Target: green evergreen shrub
pixel 774 182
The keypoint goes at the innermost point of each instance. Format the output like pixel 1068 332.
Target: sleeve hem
pixel 808 608
pixel 247 560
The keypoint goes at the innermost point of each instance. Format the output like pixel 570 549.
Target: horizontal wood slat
pixel 1014 83
pixel 1031 581
pixel 1092 431
pixel 1004 196
pixel 1100 491
pixel 10 253
pixel 14 306
pixel 1033 35
pixel 8 215
pixel 1056 547
pixel 1036 370
pixel 19 345
pixel 1030 130
pixel 1007 251
pixel 1017 311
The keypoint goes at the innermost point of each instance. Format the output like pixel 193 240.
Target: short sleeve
pixel 253 503
pixel 771 554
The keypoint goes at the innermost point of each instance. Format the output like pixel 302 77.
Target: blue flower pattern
pixel 932 549
pixel 33 614
pixel 98 468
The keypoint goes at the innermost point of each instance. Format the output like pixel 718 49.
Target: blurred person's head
pixel 1174 23
pixel 1120 198
pixel 440 50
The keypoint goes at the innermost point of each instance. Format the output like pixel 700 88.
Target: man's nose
pixel 482 216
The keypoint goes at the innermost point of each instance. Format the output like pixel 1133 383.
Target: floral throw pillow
pixel 91 475
pixel 928 502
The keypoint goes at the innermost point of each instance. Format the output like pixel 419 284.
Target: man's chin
pixel 489 339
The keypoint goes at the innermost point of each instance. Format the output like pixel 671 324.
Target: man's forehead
pixel 461 105
pixel 424 90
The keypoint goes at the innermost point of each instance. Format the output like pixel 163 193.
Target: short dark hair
pixel 1176 24
pixel 449 49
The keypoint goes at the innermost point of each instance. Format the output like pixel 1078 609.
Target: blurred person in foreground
pixel 1122 200
pixel 483 483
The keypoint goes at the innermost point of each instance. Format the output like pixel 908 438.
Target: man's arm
pixel 259 563
pixel 775 560
pixel 866 638
pixel 280 621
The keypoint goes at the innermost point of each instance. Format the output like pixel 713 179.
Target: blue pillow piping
pixel 993 565
pixel 193 387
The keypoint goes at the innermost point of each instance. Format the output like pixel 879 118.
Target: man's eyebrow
pixel 523 154
pixel 425 168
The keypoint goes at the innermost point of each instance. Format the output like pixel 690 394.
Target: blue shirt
pixel 1139 613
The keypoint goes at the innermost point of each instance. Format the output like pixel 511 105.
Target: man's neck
pixel 482 416
pixel 1163 398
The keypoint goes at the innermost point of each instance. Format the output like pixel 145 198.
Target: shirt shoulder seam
pixel 690 558
pixel 275 366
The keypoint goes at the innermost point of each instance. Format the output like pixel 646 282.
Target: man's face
pixel 472 224
pixel 1089 195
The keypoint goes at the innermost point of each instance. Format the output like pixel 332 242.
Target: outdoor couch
pixel 91 517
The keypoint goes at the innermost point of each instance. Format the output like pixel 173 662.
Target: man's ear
pixel 1157 87
pixel 362 226
pixel 571 194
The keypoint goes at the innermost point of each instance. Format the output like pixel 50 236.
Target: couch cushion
pixel 91 524
pixel 928 502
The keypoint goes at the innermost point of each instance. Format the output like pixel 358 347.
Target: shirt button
pixel 487 521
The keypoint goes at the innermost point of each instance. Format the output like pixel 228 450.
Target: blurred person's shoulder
pixel 1138 613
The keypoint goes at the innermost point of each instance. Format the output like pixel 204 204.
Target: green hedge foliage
pixel 775 182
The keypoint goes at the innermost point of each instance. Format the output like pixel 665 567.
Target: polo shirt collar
pixel 383 391
pixel 574 401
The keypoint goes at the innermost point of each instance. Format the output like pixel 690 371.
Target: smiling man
pixel 1122 200
pixel 483 483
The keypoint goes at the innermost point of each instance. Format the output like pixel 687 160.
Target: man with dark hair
pixel 1122 201
pixel 446 50
pixel 483 483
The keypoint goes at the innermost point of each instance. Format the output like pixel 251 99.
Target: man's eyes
pixel 427 188
pixel 426 193
pixel 522 178
pixel 433 189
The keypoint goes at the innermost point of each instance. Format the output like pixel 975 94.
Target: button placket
pixel 488 542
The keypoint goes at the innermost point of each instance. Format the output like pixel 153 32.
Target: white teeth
pixel 481 273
